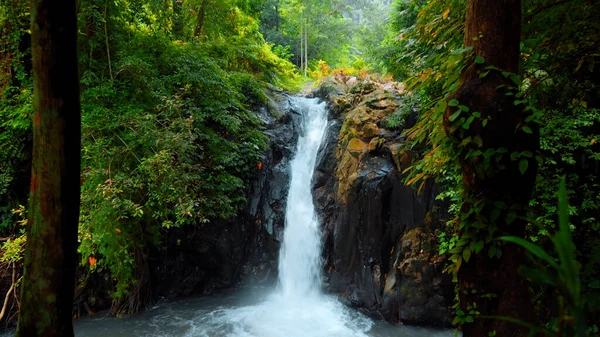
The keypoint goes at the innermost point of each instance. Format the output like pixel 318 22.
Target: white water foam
pixel 298 308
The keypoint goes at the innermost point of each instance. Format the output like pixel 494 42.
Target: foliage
pixel 15 107
pixel 563 276
pixel 558 86
pixel 169 136
pixel 339 32
pixel 13 248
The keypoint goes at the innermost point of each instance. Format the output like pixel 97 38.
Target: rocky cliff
pixel 379 248
pixel 379 234
pixel 245 249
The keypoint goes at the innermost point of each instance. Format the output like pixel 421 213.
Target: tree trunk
pixel 201 16
pixel 301 45
pixel 177 24
pixel 306 48
pixel 277 15
pixel 51 250
pixel 493 29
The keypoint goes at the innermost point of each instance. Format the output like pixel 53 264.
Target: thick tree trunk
pixel 51 250
pixel 201 16
pixel 493 30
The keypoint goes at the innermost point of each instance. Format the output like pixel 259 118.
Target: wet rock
pixel 202 259
pixel 379 242
pixel 375 144
pixel 357 147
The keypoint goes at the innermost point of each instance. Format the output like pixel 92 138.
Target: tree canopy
pixel 506 99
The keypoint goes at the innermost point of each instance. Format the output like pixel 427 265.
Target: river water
pixel 297 307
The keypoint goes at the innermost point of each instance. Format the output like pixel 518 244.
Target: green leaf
pixel 455 116
pixel 479 60
pixel 530 247
pixel 494 215
pixel 516 79
pixel 482 75
pixel 465 141
pixel 538 276
pixel 533 328
pixel 523 164
pixel 527 154
pixel 479 246
pixel 467 254
pixel 492 251
pixel 469 319
pixel 527 129
pixel 467 124
pixel 453 102
pixel 473 153
pixel 510 217
pixel 460 313
pixel 500 205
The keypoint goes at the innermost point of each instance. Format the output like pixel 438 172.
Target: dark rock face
pixel 379 252
pixel 379 248
pixel 203 259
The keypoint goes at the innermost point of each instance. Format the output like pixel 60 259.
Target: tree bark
pixel 301 44
pixel 306 48
pixel 177 23
pixel 493 29
pixel 51 249
pixel 201 16
pixel 277 19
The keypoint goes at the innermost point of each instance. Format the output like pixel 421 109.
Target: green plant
pixel 561 274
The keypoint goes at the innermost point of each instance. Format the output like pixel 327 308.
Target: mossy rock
pixel 357 147
pixel 375 144
pixel 363 88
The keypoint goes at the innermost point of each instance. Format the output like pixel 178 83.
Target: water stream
pixel 296 308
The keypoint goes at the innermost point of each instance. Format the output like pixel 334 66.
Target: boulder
pixel 379 242
pixel 203 259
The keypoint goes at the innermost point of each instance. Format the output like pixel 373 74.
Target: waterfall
pixel 298 308
pixel 299 260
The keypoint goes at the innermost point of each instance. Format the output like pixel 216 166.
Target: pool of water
pixel 255 312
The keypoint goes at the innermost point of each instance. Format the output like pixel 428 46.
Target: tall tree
pixel 177 22
pixel 51 251
pixel 496 193
pixel 201 17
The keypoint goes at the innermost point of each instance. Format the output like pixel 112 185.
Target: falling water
pixel 299 260
pixel 297 308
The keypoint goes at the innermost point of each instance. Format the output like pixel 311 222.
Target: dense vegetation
pixel 168 136
pixel 558 92
pixel 168 90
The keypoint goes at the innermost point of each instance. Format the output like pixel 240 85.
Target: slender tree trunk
pixel 201 16
pixel 302 45
pixel 177 23
pixel 277 15
pixel 106 39
pixel 493 30
pixel 306 47
pixel 51 250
